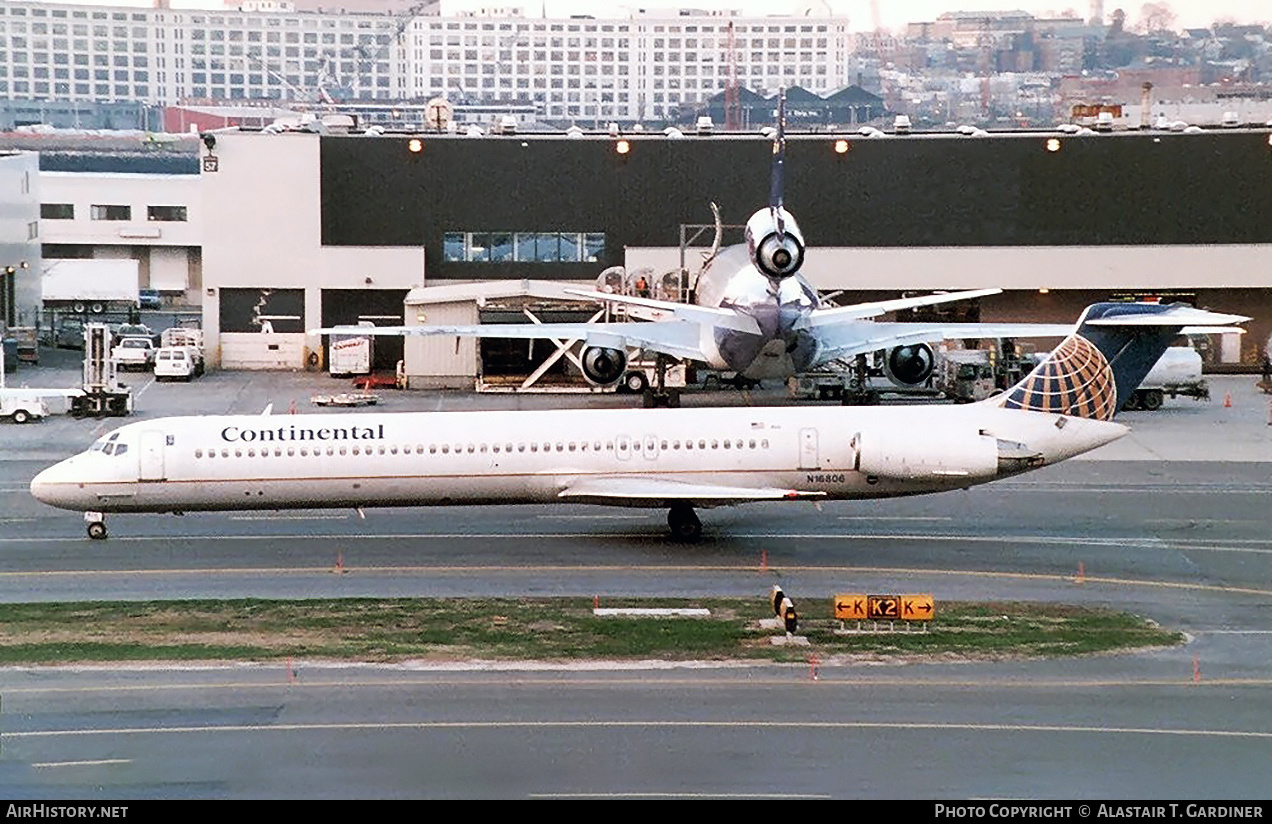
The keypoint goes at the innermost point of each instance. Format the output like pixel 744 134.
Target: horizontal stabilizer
pixel 1093 372
pixel 853 338
pixel 638 490
pixel 1174 315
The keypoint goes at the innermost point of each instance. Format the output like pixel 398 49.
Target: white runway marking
pixel 1230 631
pixel 97 763
pixel 593 517
pixel 289 517
pixel 894 518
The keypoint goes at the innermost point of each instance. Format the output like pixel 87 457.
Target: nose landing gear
pixel 96 524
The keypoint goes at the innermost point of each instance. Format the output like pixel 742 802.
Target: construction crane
pixel 297 93
pixel 368 52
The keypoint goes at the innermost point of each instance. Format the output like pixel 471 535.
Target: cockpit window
pixel 109 445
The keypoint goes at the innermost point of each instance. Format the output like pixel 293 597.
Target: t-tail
pixel 1094 370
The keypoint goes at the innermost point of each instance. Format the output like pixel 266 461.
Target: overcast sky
pixel 894 13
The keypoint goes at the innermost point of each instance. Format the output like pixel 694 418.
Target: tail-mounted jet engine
pixel 908 365
pixel 603 366
pixel 775 243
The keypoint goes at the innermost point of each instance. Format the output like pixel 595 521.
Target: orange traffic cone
pixel 1227 400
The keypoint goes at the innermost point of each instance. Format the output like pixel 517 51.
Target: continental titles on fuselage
pixel 299 433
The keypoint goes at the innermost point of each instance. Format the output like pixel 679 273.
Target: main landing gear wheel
pixel 635 382
pixel 97 530
pixel 684 523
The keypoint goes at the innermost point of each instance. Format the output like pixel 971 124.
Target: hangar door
pixel 383 307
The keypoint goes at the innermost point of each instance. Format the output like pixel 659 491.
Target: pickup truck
pixel 134 353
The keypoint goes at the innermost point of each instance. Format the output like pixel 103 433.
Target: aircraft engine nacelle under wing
pixel 909 365
pixel 775 243
pixel 908 455
pixel 603 366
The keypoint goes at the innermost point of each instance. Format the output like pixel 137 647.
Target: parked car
pixel 70 334
pixel 149 299
pixel 178 362
pixel 135 330
pixel 134 353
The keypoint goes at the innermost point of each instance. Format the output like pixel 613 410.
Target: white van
pixel 178 362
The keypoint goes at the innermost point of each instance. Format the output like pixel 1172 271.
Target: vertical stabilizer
pixel 777 181
pixel 1094 370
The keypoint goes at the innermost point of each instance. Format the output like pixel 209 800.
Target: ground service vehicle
pixel 350 355
pixel 177 363
pixel 965 375
pixel 1177 372
pixel 21 410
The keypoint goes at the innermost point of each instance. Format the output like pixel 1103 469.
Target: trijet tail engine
pixel 603 366
pixel 775 242
pixel 909 365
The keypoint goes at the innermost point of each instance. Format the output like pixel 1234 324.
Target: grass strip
pixel 550 629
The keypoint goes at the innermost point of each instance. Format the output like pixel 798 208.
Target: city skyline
pixel 894 15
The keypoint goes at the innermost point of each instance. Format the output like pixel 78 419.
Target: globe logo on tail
pixel 1074 380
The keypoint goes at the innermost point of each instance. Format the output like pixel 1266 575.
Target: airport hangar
pixel 302 229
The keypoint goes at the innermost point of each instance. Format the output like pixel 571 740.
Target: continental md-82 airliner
pixel 673 459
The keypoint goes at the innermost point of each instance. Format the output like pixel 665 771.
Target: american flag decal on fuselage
pixel 1074 380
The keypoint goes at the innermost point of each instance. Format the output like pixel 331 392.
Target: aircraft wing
pixel 843 340
pixel 678 338
pixel 860 311
pixel 640 491
pixel 663 310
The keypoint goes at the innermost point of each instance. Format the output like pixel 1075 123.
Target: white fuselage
pixel 781 309
pixel 403 459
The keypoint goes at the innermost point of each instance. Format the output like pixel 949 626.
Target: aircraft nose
pixel 52 485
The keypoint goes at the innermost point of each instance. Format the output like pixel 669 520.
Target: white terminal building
pixel 627 69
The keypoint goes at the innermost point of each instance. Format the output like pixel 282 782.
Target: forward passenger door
pixel 151 456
